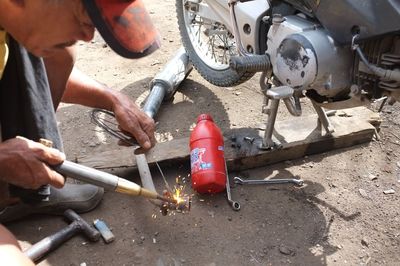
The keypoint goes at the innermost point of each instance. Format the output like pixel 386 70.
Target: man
pixel 36 73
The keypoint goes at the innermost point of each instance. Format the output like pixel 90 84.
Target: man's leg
pixel 27 110
pixel 10 251
pixel 5 197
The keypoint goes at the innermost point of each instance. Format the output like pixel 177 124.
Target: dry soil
pixel 341 217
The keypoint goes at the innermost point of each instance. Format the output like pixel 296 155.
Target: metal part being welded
pixel 163 87
pixel 182 205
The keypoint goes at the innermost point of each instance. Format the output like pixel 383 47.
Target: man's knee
pixel 7 238
pixel 10 250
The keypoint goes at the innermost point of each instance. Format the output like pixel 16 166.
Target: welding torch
pixel 106 180
pixel 102 179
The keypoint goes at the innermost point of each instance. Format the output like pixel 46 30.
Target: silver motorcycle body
pixel 340 54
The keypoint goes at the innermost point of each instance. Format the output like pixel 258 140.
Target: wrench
pixel 235 205
pixel 238 180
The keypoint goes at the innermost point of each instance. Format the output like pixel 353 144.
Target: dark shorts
pixel 26 107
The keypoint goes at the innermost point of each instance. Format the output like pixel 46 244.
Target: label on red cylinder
pixel 196 160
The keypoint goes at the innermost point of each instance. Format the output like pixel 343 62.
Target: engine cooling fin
pixel 383 52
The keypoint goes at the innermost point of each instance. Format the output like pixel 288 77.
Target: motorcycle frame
pixel 244 19
pixel 247 16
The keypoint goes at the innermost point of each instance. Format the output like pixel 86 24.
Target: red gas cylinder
pixel 207 156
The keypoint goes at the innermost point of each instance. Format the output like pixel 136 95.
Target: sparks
pixel 179 188
pixel 182 201
pixel 177 194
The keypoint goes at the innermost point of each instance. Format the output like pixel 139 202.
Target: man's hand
pixel 25 163
pixel 83 90
pixel 134 122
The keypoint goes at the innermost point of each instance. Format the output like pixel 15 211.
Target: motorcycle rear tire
pixel 223 76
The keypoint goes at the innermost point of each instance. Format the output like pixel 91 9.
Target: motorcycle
pixel 339 54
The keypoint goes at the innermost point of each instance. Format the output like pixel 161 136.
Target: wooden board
pixel 299 137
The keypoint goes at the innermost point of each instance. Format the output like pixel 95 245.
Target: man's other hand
pixel 134 122
pixel 81 89
pixel 25 163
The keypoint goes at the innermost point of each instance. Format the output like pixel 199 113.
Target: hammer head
pixel 91 233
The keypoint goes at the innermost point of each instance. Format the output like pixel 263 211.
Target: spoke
pixel 198 34
pixel 225 60
pixel 209 47
pixel 223 47
pixel 213 50
pixel 211 40
pixel 227 47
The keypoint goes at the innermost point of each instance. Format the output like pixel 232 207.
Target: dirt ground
pixel 341 216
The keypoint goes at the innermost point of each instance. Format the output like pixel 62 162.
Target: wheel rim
pixel 212 42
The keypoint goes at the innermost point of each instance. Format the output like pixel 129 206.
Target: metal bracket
pixel 273 95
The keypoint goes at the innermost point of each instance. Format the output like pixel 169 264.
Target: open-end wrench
pixel 235 205
pixel 238 180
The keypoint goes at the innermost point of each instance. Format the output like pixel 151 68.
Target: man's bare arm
pixel 81 89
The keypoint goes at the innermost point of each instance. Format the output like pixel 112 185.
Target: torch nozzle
pixel 167 199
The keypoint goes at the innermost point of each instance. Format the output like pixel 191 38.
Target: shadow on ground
pixel 174 119
pixel 277 225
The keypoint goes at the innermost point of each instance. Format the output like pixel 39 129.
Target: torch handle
pixel 88 175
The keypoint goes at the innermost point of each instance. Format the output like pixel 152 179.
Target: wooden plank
pixel 299 137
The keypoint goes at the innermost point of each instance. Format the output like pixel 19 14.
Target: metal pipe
pixel 87 175
pixel 154 100
pixel 167 81
pixel 386 74
pixel 163 86
pixel 323 118
pixel 144 171
pixel 239 46
pixel 293 105
pixel 273 111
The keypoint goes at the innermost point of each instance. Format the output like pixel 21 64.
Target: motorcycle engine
pixel 305 57
pixel 383 52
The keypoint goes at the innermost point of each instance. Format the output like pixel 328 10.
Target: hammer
pixel 44 246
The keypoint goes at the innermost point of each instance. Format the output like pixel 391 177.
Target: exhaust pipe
pixel 166 82
pixel 163 87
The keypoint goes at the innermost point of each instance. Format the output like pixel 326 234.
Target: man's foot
pixel 80 198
